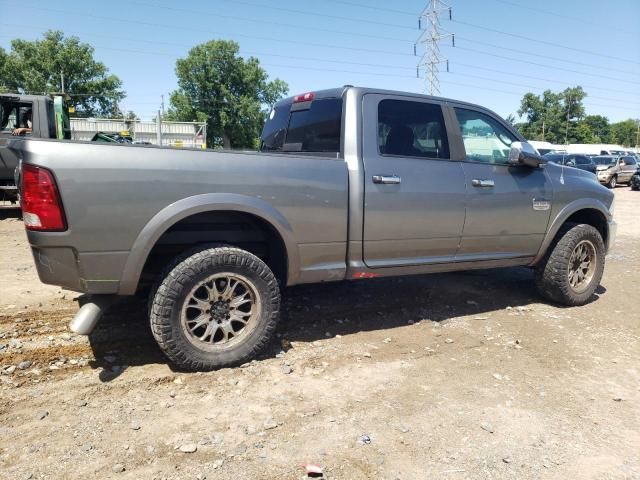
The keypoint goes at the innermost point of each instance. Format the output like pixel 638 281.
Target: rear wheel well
pixel 593 217
pixel 239 229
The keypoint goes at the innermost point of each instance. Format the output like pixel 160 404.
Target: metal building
pixel 174 134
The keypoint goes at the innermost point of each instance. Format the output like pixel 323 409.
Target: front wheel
pixel 612 182
pixel 216 307
pixel 572 269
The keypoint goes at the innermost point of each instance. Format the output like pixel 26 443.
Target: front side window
pixel 485 139
pixel 583 161
pixel 412 129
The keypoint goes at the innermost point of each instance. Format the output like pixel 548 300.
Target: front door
pixel 509 206
pixel 414 194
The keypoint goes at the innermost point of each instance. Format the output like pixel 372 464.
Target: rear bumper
pixel 86 273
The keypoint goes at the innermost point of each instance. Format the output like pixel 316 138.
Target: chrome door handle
pixel 476 182
pixel 387 179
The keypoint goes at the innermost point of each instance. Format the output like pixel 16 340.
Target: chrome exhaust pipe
pixel 89 314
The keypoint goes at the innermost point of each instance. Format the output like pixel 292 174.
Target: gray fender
pixel 562 216
pixel 207 202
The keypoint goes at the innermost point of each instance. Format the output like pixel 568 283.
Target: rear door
pixel 414 192
pixel 508 208
pixel 628 167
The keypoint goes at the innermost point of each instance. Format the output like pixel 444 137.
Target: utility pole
pixel 638 135
pixel 430 37
pixel 62 81
pixel 159 129
pixel 162 104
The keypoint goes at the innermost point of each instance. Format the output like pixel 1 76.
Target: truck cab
pixel 49 118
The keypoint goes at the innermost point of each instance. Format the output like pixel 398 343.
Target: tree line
pixel 233 94
pixel 559 117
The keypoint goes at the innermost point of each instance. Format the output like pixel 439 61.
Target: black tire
pixel 168 310
pixel 552 273
pixel 613 181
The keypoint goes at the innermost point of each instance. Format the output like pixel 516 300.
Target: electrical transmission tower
pixel 431 34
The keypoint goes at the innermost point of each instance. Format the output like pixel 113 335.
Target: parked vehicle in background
pixel 583 162
pixel 611 169
pixel 545 147
pixel 49 119
pixel 596 148
pixel 350 183
pixel 635 180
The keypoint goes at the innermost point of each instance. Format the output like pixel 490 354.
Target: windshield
pixel 604 160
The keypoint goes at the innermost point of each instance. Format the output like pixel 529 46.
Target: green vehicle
pixel 33 116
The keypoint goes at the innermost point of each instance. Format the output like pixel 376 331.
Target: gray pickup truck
pixel 349 183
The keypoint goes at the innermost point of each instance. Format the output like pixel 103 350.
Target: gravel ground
pixel 463 376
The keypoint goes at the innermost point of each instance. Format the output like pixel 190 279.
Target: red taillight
pixel 305 97
pixel 41 205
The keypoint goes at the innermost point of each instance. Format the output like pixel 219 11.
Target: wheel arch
pixel 589 211
pixel 171 215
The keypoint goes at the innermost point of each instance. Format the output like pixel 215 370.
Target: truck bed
pixel 118 199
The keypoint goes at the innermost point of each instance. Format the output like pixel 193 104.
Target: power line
pixel 271 22
pixel 524 52
pixel 531 86
pixel 381 9
pixel 547 66
pixel 519 94
pixel 544 42
pixel 504 72
pixel 315 14
pixel 143 52
pixel 566 17
pixel 316 28
pixel 190 29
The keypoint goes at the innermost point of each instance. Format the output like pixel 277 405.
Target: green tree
pixel 231 94
pixel 624 133
pixel 3 76
pixel 131 115
pixel 37 67
pixel 599 127
pixel 511 119
pixel 552 116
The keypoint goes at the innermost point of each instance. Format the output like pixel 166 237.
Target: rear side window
pixel 583 161
pixel 411 129
pixel 275 128
pixel 316 129
pixel 313 129
pixel 629 160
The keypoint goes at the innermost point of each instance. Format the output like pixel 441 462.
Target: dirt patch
pixel 466 375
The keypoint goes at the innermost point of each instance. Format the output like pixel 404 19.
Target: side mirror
pixel 522 153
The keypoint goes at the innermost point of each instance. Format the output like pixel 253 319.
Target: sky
pixel 503 48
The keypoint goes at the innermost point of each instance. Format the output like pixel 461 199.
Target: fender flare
pixel 208 202
pixel 564 214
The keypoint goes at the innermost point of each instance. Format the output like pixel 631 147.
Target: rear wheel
pixel 572 269
pixel 217 307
